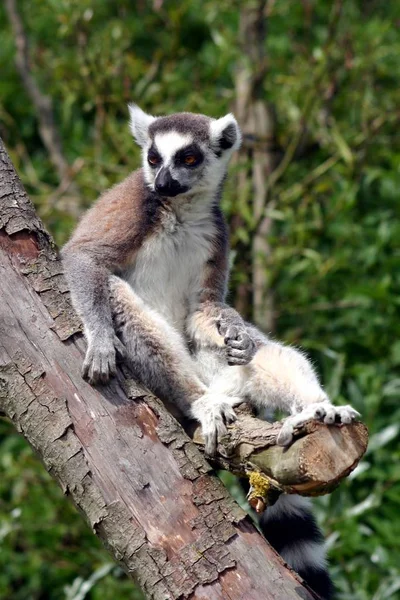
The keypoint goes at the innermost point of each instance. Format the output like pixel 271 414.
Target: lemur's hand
pixel 100 360
pixel 320 411
pixel 239 345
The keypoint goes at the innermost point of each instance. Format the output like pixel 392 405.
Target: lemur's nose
pixel 166 185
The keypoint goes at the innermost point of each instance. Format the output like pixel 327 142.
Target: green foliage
pixel 334 265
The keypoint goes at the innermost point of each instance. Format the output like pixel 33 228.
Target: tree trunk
pixel 138 479
pixel 257 120
pixel 43 105
pixel 48 128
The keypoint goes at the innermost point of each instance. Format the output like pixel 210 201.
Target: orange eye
pixel 190 160
pixel 153 159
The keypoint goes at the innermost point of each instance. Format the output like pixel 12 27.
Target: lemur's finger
pixel 108 368
pixel 85 370
pixel 103 376
pixel 238 362
pixel 237 352
pixel 239 343
pixel 87 363
pixel 96 374
pixel 93 375
pixel 244 336
pixel 231 333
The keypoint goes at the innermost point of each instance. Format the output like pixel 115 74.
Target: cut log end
pixel 314 464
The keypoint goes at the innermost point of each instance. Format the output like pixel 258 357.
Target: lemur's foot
pixel 214 412
pixel 320 411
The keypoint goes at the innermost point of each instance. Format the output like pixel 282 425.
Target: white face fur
pixel 184 154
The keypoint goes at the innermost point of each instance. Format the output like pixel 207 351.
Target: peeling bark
pixel 140 482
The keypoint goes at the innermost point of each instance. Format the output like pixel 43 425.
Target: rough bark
pixel 140 482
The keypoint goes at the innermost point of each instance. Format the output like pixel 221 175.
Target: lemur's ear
pixel 225 134
pixel 139 123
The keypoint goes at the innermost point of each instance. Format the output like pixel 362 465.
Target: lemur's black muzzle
pixel 165 185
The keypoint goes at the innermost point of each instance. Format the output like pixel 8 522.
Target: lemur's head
pixel 184 153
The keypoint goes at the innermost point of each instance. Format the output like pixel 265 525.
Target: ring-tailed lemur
pixel 147 268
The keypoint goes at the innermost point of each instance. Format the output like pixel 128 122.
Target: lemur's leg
pixel 280 377
pixel 160 359
pixel 286 376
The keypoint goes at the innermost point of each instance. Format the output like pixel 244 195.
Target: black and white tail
pixel 291 529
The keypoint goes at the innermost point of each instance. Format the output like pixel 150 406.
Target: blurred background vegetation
pixel 315 86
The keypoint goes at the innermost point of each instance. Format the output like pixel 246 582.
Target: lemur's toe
pixel 229 416
pixel 319 411
pixel 210 443
pixel 285 436
pixel 347 414
pixel 330 415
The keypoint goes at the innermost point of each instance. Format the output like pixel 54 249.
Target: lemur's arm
pixel 105 241
pixel 213 322
pixel 88 282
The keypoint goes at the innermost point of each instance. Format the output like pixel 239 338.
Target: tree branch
pixel 42 103
pixel 309 104
pixel 141 483
pixel 257 120
pixel 314 464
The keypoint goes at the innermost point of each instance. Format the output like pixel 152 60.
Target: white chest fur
pixel 168 267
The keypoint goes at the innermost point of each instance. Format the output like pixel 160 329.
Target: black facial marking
pixel 153 157
pixel 187 152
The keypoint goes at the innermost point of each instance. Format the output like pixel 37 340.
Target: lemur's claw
pixel 319 411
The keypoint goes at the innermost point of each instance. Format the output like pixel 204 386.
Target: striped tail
pixel 290 527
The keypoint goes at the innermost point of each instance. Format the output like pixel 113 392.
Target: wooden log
pixel 314 464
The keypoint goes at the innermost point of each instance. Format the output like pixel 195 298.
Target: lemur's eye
pixel 154 159
pixel 190 160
